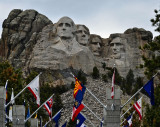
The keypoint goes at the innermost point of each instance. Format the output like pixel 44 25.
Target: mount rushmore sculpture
pixel 32 42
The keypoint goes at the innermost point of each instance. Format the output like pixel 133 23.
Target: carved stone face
pixel 95 46
pixel 117 47
pixel 82 35
pixel 65 28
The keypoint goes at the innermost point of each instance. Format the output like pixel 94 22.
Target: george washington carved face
pixel 65 28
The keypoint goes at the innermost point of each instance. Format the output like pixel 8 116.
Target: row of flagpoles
pixel 78 94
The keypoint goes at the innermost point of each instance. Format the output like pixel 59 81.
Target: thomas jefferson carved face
pixel 95 45
pixel 117 47
pixel 83 35
pixel 65 28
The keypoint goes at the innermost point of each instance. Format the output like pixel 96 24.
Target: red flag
pixel 113 82
pixel 138 107
pixel 76 111
pixel 48 106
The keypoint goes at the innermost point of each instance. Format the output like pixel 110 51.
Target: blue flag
pixel 102 122
pixel 81 119
pixel 28 113
pixel 149 88
pixel 79 96
pixel 64 125
pixel 56 118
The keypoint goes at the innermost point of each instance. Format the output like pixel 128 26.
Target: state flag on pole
pixel 34 88
pixel 138 107
pixel 12 96
pixel 65 124
pixel 129 120
pixel 28 113
pixel 56 118
pixel 80 120
pixel 77 87
pixel 149 88
pixel 76 110
pixel 48 106
pixel 113 83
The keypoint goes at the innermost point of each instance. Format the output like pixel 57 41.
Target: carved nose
pixel 83 35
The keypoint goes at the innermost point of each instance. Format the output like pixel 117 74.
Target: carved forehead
pixel 115 40
pixel 66 20
pixel 82 27
pixel 96 39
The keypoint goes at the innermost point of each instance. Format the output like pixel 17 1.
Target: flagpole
pixel 132 96
pixel 137 92
pixel 22 90
pixel 126 111
pixel 91 112
pixel 126 119
pixel 38 108
pixel 53 117
pixel 96 98
pixel 88 119
pixel 93 95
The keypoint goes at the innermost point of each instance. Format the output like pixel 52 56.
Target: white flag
pixel 34 88
pixel 113 82
pixel 138 107
pixel 10 113
pixel 12 96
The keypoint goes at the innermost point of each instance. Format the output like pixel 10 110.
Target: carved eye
pixel 60 25
pixel 67 25
pixel 79 31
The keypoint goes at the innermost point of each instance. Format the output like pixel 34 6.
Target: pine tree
pixel 95 73
pixel 152 64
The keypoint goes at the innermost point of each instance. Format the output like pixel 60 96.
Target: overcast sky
pixel 102 17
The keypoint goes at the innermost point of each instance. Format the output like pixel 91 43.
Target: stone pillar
pixel 112 112
pixel 18 115
pixel 34 122
pixel 2 108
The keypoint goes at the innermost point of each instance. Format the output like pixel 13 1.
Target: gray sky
pixel 102 17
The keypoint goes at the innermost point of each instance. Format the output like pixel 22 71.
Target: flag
pixel 76 109
pixel 77 87
pixel 149 88
pixel 56 118
pixel 6 99
pixel 6 90
pixel 48 106
pixel 102 122
pixel 65 124
pixel 34 88
pixel 80 94
pixel 12 96
pixel 10 113
pixel 113 82
pixel 28 113
pixel 129 120
pixel 83 125
pixel 80 120
pixel 35 115
pixel 138 107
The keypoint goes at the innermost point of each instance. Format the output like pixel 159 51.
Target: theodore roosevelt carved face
pixel 95 45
